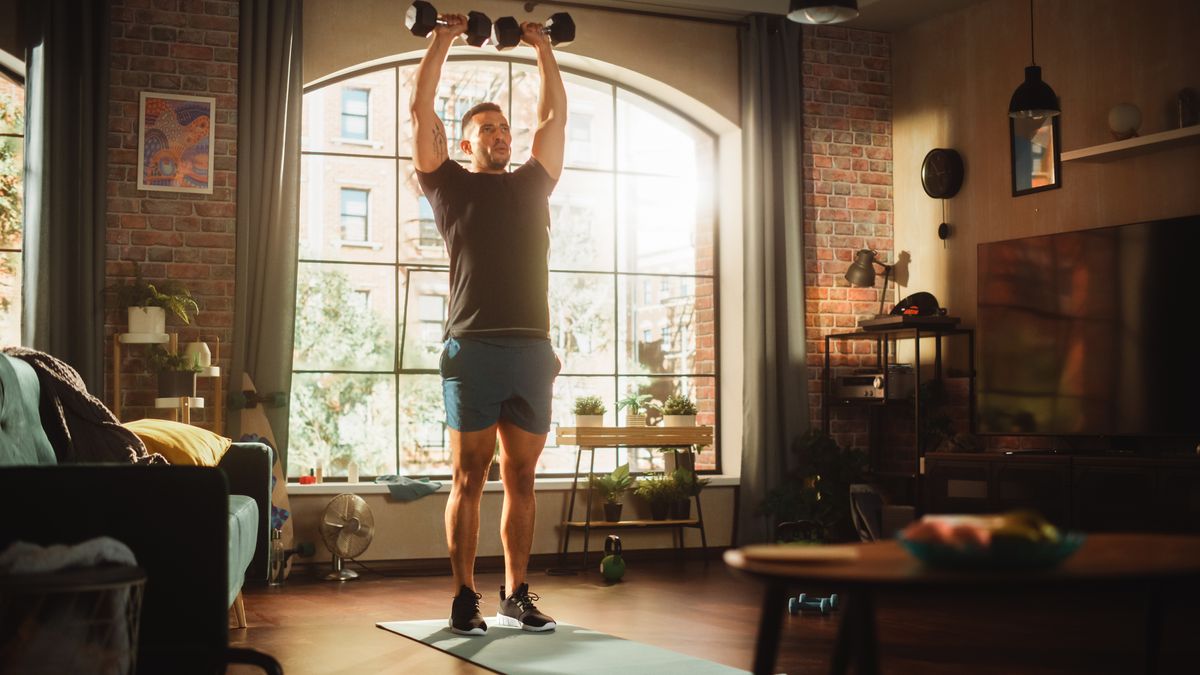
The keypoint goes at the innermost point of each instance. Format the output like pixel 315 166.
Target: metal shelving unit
pixel 886 340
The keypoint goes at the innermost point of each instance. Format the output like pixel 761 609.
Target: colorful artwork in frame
pixel 175 142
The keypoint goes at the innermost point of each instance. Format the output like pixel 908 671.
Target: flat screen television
pixel 1090 332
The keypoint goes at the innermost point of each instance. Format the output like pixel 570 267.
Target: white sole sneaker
pixel 509 622
pixel 459 631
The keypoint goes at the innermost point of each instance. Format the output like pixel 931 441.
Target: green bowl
pixel 1005 553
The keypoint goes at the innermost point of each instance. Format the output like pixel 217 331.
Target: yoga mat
pixel 567 649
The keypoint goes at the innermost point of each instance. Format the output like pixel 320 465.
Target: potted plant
pixel 610 488
pixel 818 489
pixel 176 372
pixel 147 303
pixel 659 490
pixel 687 485
pixel 679 411
pixel 589 411
pixel 636 406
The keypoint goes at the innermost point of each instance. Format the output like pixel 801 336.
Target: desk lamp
pixel 862 273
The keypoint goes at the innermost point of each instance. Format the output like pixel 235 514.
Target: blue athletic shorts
pixel 486 379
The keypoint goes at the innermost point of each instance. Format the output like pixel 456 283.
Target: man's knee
pixel 518 478
pixel 470 480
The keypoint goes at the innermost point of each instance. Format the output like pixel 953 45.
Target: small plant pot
pixel 176 383
pixel 681 509
pixel 144 320
pixel 589 420
pixel 660 510
pixel 635 420
pixel 612 512
pixel 679 420
pixel 494 470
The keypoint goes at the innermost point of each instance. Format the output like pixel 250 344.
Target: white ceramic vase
pixel 146 320
pixel 589 420
pixel 199 354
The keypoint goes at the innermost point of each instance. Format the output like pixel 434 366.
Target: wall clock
pixel 942 177
pixel 942 173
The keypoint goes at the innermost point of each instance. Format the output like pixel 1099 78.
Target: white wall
pixel 414 530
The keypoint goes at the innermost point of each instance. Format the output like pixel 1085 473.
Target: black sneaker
pixel 518 611
pixel 465 618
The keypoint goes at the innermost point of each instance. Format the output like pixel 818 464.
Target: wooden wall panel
pixel 953 76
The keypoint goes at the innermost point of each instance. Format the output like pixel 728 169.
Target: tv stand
pixel 1089 492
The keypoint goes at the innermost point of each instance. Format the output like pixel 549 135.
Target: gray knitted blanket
pixel 80 427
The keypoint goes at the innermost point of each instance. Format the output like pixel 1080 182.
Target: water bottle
pixel 277 558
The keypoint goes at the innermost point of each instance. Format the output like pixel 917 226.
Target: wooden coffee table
pixel 1144 563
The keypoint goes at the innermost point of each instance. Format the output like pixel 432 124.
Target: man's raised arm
pixel 428 132
pixel 551 136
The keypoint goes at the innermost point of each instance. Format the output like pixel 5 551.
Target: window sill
pixel 366 143
pixel 354 243
pixel 542 485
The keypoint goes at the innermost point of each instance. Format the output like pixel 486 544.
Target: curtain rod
pixel 529 7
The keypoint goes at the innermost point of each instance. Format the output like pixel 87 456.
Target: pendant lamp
pixel 822 11
pixel 1033 98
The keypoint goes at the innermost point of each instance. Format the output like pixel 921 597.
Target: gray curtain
pixel 268 199
pixel 776 394
pixel 66 173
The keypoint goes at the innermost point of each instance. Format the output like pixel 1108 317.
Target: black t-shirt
pixel 497 231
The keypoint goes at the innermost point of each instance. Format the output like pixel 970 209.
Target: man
pixel 498 367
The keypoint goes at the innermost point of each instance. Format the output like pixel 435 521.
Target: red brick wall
pixel 847 77
pixel 184 47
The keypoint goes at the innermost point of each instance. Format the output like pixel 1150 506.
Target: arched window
pixel 633 224
pixel 12 188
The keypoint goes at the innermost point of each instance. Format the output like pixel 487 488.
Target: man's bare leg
pixel 471 455
pixel 519 452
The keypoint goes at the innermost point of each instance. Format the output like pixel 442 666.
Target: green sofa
pixel 199 532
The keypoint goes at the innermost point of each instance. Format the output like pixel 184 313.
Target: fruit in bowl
pixel 1014 539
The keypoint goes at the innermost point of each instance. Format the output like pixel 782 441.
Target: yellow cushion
pixel 181 443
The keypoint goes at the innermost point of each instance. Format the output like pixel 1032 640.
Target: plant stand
pixel 590 438
pixel 180 407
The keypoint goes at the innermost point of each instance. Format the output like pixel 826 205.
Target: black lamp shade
pixel 1034 98
pixel 822 11
pixel 862 270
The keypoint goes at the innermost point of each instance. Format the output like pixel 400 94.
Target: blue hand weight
pixel 822 605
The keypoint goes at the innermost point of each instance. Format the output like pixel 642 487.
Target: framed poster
pixel 176 135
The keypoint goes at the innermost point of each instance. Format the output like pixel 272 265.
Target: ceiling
pixel 879 15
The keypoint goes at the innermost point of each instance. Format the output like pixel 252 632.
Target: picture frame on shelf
pixel 176 138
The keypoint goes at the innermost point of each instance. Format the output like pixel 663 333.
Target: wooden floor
pixel 701 609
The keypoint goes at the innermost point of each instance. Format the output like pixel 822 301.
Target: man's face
pixel 489 141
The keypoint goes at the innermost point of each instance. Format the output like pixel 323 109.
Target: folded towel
pixel 406 489
pixel 22 557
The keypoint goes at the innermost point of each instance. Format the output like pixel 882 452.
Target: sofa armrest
pixel 248 468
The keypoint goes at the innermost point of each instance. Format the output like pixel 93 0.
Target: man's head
pixel 486 138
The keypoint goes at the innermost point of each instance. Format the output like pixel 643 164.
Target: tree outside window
pixel 12 183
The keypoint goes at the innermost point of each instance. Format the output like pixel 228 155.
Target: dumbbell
pixel 506 33
pixel 822 605
pixel 422 18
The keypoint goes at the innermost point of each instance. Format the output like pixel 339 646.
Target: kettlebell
pixel 612 566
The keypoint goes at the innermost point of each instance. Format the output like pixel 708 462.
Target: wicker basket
pixel 73 621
